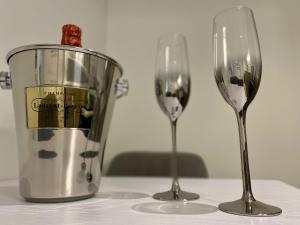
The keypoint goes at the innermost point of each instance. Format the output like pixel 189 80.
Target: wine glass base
pixel 170 196
pixel 255 208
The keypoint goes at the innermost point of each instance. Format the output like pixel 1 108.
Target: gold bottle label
pixel 59 107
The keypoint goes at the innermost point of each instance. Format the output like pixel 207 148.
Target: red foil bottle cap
pixel 71 35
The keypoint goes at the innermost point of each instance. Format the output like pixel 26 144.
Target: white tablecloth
pixel 121 200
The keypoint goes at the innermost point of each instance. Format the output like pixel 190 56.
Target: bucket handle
pixel 5 80
pixel 121 88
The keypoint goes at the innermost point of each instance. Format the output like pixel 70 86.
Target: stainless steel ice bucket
pixel 63 100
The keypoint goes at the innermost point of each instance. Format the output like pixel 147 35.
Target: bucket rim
pixel 62 47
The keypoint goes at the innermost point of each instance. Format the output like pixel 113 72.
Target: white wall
pixel 33 22
pixel 208 126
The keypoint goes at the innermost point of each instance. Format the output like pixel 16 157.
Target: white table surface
pixel 117 202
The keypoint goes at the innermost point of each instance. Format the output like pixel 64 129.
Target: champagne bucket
pixel 63 100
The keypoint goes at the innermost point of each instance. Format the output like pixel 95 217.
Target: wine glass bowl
pixel 237 70
pixel 172 90
pixel 172 78
pixel 237 62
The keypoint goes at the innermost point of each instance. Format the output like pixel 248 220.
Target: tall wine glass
pixel 237 69
pixel 172 89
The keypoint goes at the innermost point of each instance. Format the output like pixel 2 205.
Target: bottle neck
pixel 71 35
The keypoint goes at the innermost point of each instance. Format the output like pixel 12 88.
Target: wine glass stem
pixel 174 162
pixel 247 191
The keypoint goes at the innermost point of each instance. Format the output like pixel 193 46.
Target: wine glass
pixel 237 70
pixel 172 89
